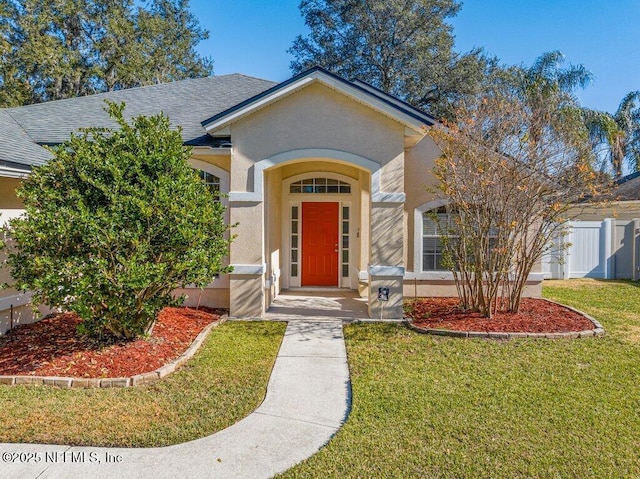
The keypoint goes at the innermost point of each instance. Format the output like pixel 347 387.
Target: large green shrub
pixel 115 222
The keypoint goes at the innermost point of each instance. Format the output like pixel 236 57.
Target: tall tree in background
pixel 403 47
pixel 60 49
pixel 548 89
pixel 619 134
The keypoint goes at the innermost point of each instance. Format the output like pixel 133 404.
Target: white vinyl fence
pixel 595 249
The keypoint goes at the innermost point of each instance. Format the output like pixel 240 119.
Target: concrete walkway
pixel 307 401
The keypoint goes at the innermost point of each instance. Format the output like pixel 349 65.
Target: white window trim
pixel 342 281
pixel 223 281
pixel 290 281
pixel 340 184
pixel 216 171
pixel 418 244
pixel 418 273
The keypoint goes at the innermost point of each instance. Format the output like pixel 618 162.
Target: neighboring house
pixel 602 240
pixel 327 179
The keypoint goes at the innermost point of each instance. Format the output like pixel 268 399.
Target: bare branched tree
pixel 509 193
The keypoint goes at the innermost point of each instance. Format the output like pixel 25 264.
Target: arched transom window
pixel 320 185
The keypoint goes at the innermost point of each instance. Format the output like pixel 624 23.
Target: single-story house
pixel 328 180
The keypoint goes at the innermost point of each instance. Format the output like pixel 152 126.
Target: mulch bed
pixel 51 347
pixel 535 316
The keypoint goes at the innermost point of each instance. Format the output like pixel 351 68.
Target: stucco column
pixel 246 295
pixel 386 260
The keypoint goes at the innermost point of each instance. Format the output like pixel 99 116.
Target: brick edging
pixel 597 330
pixel 136 380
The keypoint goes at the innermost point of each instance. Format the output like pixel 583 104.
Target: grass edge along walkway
pixel 431 407
pixel 224 382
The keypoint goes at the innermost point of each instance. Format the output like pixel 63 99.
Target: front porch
pixel 318 305
pixel 319 221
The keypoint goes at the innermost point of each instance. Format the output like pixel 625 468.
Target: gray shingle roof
pixel 15 145
pixel 627 188
pixel 185 102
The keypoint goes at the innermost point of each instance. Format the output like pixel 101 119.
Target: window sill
pixel 363 276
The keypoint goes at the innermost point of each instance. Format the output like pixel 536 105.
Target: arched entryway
pixel 322 225
pixel 316 224
pixel 364 223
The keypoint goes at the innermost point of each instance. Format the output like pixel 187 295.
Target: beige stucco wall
pixel 221 161
pixel 391 309
pixel 319 164
pixel 246 296
pixel 420 185
pixel 10 205
pixel 8 198
pixel 316 117
pixel 421 289
pixel 5 277
pixel 211 297
pixel 273 222
pixel 247 246
pixel 387 235
pixel 365 222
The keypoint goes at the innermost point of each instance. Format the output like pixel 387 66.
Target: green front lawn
pixel 423 406
pixel 432 407
pixel 225 381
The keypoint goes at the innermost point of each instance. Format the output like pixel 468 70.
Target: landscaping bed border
pixel 597 330
pixel 137 380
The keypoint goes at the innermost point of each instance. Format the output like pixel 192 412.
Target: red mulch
pixel 51 347
pixel 535 316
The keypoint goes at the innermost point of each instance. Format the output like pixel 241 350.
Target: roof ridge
pixel 629 177
pixel 26 133
pixel 250 76
pixel 394 98
pixel 135 88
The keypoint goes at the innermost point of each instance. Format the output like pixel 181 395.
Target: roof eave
pixel 9 169
pixel 411 120
pixel 427 118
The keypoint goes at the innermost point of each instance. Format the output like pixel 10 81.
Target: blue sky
pixel 252 37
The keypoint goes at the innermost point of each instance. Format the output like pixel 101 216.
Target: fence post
pixel 608 247
pixel 634 248
pixel 565 269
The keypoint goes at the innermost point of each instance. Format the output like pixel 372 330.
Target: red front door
pixel 320 244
